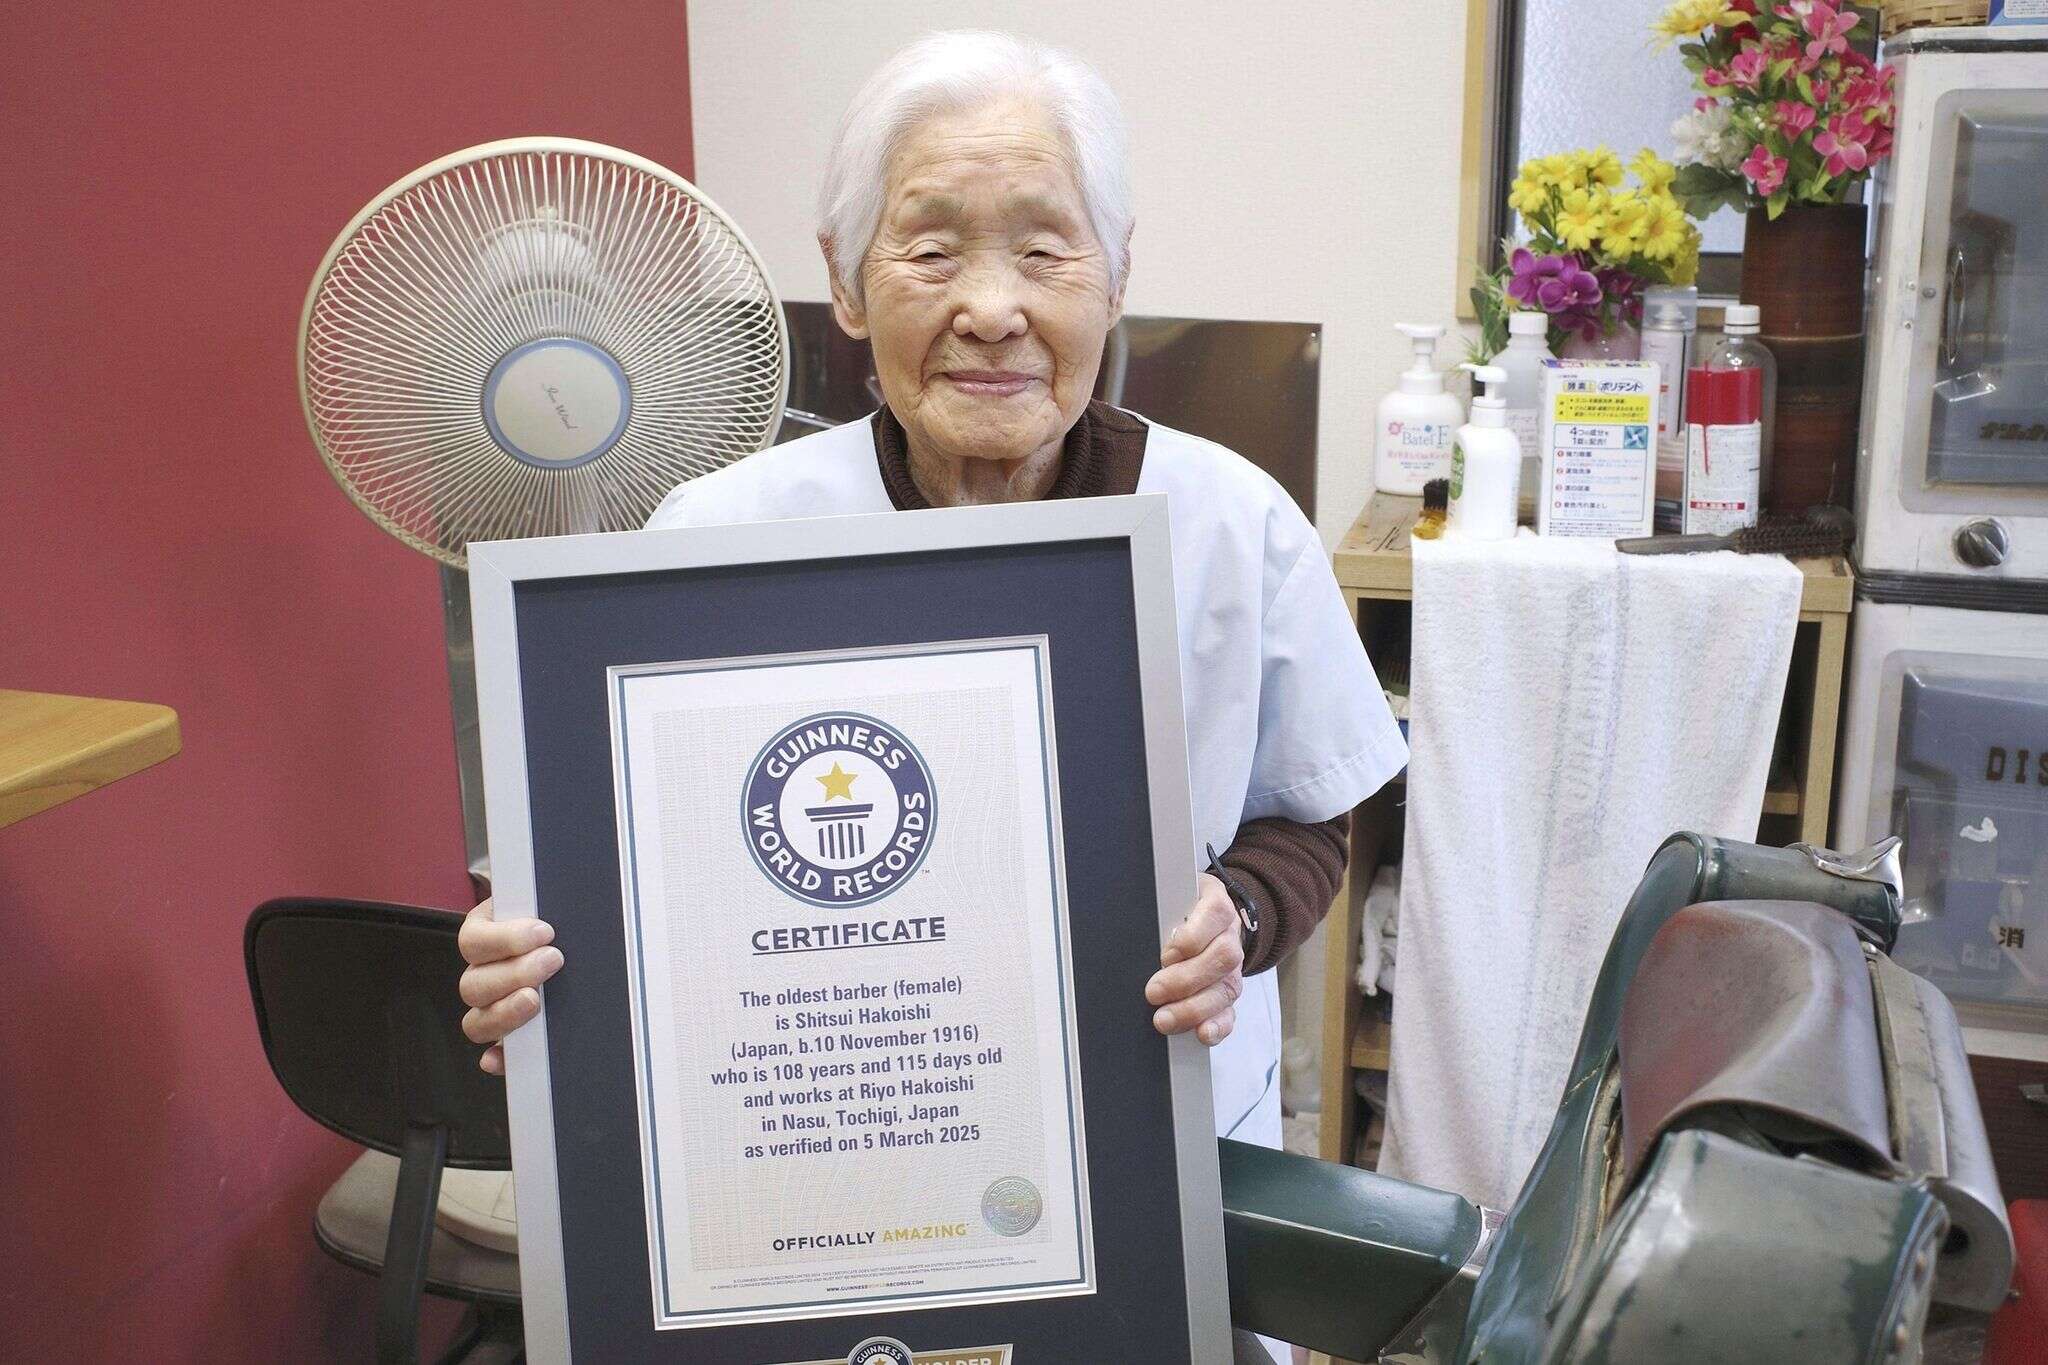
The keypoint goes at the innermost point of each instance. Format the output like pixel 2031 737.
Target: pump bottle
pixel 1486 463
pixel 1416 421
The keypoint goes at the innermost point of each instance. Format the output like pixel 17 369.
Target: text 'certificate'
pixel 851 982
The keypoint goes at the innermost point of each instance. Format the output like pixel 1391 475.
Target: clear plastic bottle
pixel 1522 361
pixel 1665 343
pixel 1722 405
pixel 1739 347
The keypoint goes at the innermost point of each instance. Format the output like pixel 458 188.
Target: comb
pixel 1820 534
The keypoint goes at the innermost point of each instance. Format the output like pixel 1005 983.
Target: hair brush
pixel 1820 534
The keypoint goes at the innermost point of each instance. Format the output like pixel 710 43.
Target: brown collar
pixel 1102 456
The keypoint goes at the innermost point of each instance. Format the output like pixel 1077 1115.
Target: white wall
pixel 1292 162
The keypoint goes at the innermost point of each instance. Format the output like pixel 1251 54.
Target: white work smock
pixel 1284 715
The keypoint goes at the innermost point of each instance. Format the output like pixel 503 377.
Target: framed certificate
pixel 860 836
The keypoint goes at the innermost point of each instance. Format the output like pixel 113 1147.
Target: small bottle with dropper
pixel 1486 463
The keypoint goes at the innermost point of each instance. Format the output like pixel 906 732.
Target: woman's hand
pixel 1201 969
pixel 501 985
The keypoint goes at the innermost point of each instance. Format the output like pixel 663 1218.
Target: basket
pixel 1900 15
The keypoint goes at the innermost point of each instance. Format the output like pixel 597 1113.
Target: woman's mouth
pixel 989 383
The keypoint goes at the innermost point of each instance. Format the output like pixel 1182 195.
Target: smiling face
pixel 987 295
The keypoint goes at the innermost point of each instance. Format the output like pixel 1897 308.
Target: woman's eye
pixel 930 257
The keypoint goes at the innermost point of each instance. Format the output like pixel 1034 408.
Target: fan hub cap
pixel 557 403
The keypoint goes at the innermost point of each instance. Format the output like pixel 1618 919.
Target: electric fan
pixel 535 337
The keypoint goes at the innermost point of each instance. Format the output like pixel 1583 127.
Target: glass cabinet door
pixel 1981 384
pixel 1969 793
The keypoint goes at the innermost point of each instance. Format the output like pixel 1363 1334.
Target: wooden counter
pixel 53 748
pixel 1373 560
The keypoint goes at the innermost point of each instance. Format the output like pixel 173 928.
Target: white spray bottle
pixel 1486 463
pixel 1416 421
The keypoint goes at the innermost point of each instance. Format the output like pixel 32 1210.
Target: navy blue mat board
pixel 1079 595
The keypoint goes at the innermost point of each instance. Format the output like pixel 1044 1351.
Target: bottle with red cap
pixel 1731 396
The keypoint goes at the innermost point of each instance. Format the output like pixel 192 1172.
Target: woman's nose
pixel 988 308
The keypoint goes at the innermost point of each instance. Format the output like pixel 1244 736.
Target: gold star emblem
pixel 838 783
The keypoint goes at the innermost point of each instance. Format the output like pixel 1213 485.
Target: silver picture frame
pixel 499 568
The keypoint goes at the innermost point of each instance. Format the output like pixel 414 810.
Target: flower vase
pixel 1804 271
pixel 1625 342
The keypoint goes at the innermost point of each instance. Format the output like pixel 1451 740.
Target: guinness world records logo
pixel 838 809
pixel 879 1351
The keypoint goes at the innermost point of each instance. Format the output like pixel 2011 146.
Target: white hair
pixel 945 72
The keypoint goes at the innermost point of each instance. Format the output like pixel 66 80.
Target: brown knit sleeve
pixel 1294 871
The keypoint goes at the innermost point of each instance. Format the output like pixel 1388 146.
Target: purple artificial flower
pixel 1572 289
pixel 1527 271
pixel 1623 290
pixel 1556 284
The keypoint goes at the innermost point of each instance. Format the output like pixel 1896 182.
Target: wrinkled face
pixel 987 293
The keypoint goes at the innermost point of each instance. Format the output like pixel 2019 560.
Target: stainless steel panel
pixel 1251 386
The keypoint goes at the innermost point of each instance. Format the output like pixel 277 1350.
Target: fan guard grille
pixel 536 337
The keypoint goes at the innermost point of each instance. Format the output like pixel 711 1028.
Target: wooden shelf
pixel 1781 793
pixel 54 747
pixel 1373 559
pixel 1372 1044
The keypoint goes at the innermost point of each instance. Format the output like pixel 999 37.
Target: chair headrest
pixel 1760 1008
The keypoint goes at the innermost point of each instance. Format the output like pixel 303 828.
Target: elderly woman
pixel 976 223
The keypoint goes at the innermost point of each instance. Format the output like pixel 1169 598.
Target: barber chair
pixel 357 1007
pixel 1768 1149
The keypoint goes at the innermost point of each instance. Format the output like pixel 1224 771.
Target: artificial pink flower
pixel 1765 171
pixel 1845 144
pixel 1793 118
pixel 1747 67
pixel 1830 29
pixel 1871 96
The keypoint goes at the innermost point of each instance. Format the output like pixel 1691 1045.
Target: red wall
pixel 167 533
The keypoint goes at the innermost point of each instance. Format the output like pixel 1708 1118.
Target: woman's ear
pixel 849 313
pixel 1116 300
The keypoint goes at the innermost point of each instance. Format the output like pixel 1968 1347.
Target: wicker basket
pixel 1900 15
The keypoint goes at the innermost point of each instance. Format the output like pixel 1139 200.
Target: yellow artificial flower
pixel 1685 269
pixel 1602 166
pixel 1628 223
pixel 1582 221
pixel 1655 173
pixel 1691 18
pixel 1561 171
pixel 1528 195
pixel 1668 231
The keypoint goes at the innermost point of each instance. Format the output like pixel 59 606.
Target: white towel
pixel 1377 931
pixel 1573 707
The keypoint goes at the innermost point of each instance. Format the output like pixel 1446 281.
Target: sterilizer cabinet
pixel 1952 470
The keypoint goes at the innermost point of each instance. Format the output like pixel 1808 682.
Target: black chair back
pixel 357 1006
